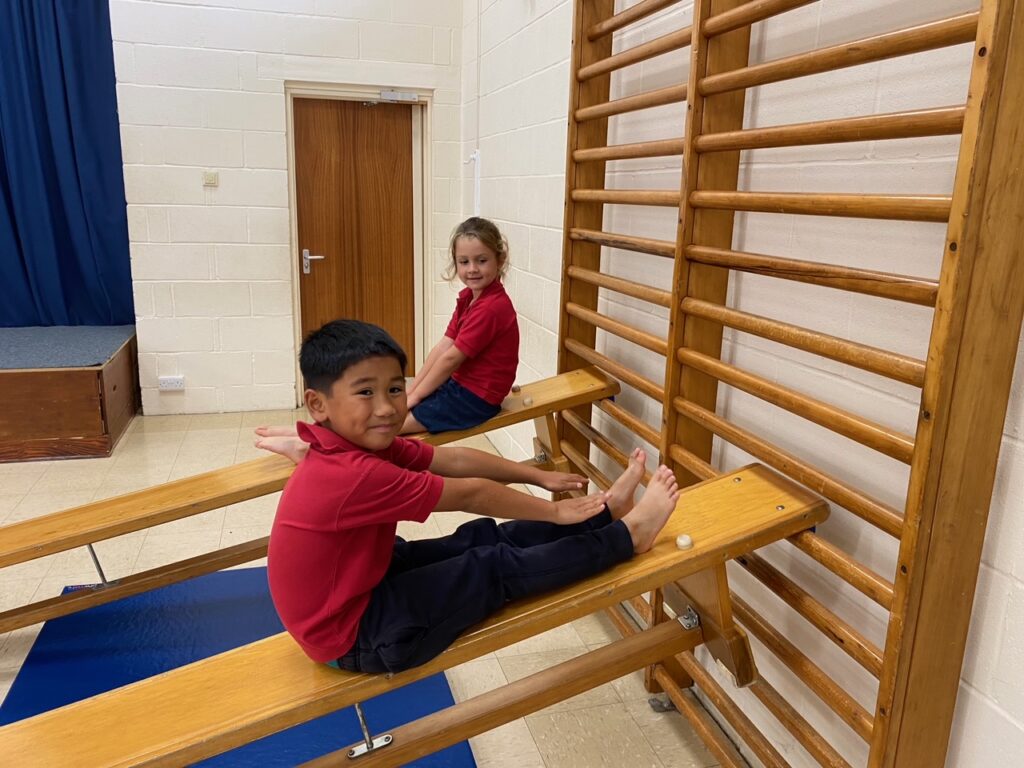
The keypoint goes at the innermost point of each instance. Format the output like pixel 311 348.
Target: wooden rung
pixel 729 710
pixel 875 512
pixel 857 647
pixel 631 15
pixel 883 284
pixel 100 594
pixel 880 361
pixel 671 42
pixel 646 340
pixel 627 196
pixel 661 148
pixel 809 673
pixel 864 431
pixel 672 94
pixel 586 466
pixel 691 462
pixel 522 697
pixel 599 441
pixel 618 370
pixel 794 722
pixel 747 14
pixel 897 207
pixel 620 285
pixel 649 245
pixel 629 421
pixel 942 121
pixel 926 37
pixel 854 573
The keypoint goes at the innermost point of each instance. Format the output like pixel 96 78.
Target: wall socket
pixel 171 382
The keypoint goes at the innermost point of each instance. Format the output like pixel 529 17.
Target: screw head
pixel 779 507
pixel 737 479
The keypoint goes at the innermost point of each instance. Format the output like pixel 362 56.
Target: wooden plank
pixel 227 700
pixel 963 405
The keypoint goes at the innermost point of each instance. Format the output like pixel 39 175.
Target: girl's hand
pixel 562 481
pixel 572 511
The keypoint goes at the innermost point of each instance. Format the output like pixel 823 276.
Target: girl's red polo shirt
pixel 487 333
pixel 334 531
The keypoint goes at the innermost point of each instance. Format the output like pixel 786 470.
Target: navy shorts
pixel 451 406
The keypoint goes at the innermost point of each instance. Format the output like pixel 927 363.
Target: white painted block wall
pixel 201 87
pixel 515 93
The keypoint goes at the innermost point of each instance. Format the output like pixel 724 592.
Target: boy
pixel 355 596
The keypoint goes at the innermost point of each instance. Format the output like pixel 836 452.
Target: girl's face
pixel 476 265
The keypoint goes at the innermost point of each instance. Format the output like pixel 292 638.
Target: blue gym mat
pixel 111 645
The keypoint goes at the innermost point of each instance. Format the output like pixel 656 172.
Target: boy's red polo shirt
pixel 487 333
pixel 334 532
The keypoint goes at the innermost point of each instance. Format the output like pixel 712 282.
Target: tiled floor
pixel 609 726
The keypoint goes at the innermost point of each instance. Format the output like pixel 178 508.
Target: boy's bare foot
pixel 289 446
pixel 276 431
pixel 620 495
pixel 653 510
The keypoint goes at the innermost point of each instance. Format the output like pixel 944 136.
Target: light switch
pixel 211 178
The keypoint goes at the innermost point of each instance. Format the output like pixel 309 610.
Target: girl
pixel 471 369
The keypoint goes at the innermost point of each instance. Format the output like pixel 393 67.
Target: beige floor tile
pixel 202 421
pixel 87 474
pixel 160 549
pixel 232 535
pixel 596 629
pixel 510 746
pixel 8 501
pixel 475 677
pixel 17 591
pixel 563 638
pixel 117 558
pixel 20 483
pixel 671 737
pixel 16 646
pixel 128 479
pixel 257 513
pixel 149 424
pixel 246 451
pixel 597 737
pixel 202 439
pixel 23 468
pixel 253 419
pixel 198 464
pixel 518 667
pixel 447 522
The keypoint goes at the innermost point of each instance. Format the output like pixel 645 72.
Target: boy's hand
pixel 571 511
pixel 562 481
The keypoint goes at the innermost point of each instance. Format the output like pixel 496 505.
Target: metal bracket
pixel 370 744
pixel 689 618
pixel 541 457
pixel 307 257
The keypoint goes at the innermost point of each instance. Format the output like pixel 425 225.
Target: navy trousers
pixel 435 589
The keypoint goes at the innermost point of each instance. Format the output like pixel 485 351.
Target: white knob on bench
pixel 683 541
pixel 527 401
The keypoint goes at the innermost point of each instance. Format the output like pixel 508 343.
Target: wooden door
pixel 353 188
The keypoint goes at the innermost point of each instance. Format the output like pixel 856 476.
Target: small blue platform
pixel 111 645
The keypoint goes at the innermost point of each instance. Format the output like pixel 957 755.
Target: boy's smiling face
pixel 366 405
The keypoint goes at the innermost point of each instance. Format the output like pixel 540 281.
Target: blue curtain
pixel 63 226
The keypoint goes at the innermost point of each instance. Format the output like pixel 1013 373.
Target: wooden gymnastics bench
pixel 214 705
pixel 100 520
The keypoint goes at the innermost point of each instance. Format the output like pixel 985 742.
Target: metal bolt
pixel 779 507
pixel 737 479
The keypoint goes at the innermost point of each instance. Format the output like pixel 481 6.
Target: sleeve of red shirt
pixel 390 494
pixel 477 332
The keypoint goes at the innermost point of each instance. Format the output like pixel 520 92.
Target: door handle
pixel 306 258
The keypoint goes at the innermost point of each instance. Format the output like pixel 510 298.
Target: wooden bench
pixel 100 520
pixel 214 705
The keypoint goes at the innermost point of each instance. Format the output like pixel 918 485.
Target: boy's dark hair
pixel 328 352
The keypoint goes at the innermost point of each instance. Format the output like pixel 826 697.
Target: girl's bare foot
pixel 289 446
pixel 650 514
pixel 276 431
pixel 620 495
